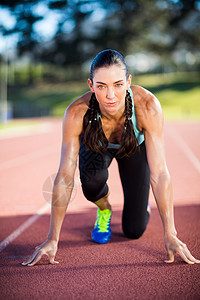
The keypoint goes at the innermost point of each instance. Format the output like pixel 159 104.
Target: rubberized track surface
pixel 121 269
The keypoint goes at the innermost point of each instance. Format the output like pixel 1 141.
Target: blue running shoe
pixel 102 233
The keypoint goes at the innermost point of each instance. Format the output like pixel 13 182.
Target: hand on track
pixel 48 248
pixel 173 246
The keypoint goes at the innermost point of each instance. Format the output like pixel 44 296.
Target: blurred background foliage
pixel 48 66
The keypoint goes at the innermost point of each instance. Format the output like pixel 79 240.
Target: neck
pixel 115 116
pixel 111 117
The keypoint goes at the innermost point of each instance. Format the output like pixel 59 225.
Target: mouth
pixel 111 103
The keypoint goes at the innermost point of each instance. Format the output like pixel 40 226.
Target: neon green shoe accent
pixel 103 220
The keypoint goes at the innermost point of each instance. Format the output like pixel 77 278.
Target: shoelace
pixel 103 221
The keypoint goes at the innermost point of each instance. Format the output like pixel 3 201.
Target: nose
pixel 110 93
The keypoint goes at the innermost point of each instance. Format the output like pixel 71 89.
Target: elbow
pixel 162 176
pixel 64 179
pixel 62 189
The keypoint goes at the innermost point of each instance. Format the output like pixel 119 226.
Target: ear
pixel 129 81
pixel 90 85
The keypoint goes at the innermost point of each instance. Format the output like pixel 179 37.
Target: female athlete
pixel 114 120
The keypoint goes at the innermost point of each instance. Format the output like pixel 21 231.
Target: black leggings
pixel 135 177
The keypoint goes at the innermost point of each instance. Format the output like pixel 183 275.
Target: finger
pixel 51 258
pixel 52 261
pixel 171 257
pixel 38 247
pixel 36 259
pixel 190 256
pixel 184 257
pixel 30 259
pixel 197 261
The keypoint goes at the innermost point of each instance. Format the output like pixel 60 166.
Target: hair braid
pixel 94 137
pixel 128 139
pixel 92 107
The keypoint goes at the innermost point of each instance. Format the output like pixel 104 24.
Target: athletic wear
pixel 102 233
pixel 139 135
pixel 135 177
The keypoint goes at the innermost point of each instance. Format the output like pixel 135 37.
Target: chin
pixel 112 111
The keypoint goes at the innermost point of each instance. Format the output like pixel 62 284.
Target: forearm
pixel 60 199
pixel 162 189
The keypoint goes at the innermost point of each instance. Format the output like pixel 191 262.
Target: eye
pixel 101 86
pixel 119 84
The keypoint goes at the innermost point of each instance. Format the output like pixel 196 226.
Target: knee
pixel 94 188
pixel 134 233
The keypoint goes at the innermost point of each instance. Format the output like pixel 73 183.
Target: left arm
pixel 160 179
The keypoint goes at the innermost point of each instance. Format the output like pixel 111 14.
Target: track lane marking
pixel 29 222
pixel 23 227
pixel 28 130
pixel 15 162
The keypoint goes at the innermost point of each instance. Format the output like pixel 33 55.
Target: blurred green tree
pixel 86 27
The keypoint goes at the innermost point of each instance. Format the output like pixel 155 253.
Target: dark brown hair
pixel 94 137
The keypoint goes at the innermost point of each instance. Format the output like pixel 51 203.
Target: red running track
pixel 121 269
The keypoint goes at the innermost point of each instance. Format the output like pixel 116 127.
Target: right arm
pixel 63 184
pixel 64 181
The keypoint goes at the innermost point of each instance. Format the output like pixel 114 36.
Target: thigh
pixel 135 177
pixel 93 169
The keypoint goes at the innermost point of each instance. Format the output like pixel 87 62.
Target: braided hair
pixel 94 137
pixel 129 142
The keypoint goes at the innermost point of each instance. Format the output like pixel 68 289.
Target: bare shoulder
pixel 149 114
pixel 74 114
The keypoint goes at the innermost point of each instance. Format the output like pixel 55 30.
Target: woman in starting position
pixel 114 120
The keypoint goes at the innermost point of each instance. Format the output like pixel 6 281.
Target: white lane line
pixel 25 131
pixel 33 219
pixel 23 227
pixel 185 148
pixel 15 162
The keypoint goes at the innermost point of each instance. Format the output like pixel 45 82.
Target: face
pixel 110 85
